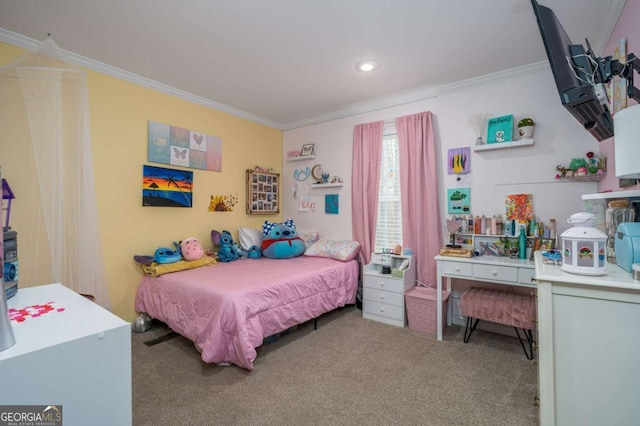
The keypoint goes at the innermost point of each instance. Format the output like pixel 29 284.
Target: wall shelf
pixel 503 145
pixel 327 185
pixel 585 178
pixel 608 195
pixel 302 157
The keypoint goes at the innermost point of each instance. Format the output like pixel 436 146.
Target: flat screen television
pixel 575 75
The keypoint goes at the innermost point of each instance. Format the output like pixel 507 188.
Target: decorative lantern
pixel 583 246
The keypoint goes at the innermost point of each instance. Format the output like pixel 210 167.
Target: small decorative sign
pixel 458 160
pixel 331 203
pixel 459 200
pixel 307 150
pixel 500 129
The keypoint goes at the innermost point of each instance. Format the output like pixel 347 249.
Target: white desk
pixel 588 346
pixel 79 358
pixel 492 269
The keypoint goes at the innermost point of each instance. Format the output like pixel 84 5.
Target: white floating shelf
pixel 302 157
pixel 326 185
pixel 607 195
pixel 503 145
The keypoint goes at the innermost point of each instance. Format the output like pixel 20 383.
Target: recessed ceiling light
pixel 366 66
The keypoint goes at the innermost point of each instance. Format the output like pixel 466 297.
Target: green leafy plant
pixel 526 122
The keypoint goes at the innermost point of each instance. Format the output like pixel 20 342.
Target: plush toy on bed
pixel 228 251
pixel 191 249
pixel 281 240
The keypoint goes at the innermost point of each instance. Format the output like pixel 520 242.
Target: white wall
pixel 494 174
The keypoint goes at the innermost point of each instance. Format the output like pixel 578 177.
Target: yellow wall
pixel 119 114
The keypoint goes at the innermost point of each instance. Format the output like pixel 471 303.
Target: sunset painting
pixel 166 187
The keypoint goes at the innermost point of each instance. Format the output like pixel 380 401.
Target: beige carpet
pixel 350 371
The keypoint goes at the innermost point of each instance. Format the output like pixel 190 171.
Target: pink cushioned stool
pixel 515 310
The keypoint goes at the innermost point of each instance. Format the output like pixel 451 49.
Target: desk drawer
pixel 495 273
pixel 387 297
pixel 525 275
pixel 387 284
pixel 457 268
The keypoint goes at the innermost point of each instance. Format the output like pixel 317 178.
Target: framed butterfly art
pixel 182 147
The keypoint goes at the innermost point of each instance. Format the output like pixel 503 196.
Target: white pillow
pixel 309 237
pixel 338 250
pixel 249 237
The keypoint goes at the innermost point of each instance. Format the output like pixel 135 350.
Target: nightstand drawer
pixel 492 272
pixel 387 297
pixel 457 268
pixel 383 310
pixel 382 283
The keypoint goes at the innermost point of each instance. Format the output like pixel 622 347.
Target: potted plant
pixel 525 128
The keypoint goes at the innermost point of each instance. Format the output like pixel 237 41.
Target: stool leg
pixel 469 329
pixel 529 337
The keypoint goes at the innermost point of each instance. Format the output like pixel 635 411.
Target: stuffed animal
pixel 166 255
pixel 281 240
pixel 228 251
pixel 191 249
pixel 254 252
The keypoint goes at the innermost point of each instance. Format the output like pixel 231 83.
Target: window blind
pixel 389 224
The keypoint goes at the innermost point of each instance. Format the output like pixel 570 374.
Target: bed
pixel 227 309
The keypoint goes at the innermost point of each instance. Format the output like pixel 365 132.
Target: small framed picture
pixel 307 149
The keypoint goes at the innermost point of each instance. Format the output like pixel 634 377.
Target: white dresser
pixel 383 294
pixel 79 358
pixel 588 347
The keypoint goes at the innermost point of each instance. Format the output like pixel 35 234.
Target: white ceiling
pixel 288 63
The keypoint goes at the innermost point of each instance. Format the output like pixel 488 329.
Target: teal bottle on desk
pixel 522 244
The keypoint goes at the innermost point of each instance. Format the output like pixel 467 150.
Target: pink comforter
pixel 228 309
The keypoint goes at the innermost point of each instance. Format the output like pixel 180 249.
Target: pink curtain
pixel 419 192
pixel 367 151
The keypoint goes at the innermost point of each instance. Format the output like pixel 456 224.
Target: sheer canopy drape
pixel 367 150
pixel 51 163
pixel 419 192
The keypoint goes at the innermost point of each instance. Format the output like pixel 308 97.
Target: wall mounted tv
pixel 578 80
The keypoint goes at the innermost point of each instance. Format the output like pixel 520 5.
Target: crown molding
pixel 73 58
pixel 417 95
pixel 355 109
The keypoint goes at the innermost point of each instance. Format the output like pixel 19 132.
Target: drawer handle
pixel 382 296
pixel 494 273
pixel 457 269
pixel 382 309
pixel 381 284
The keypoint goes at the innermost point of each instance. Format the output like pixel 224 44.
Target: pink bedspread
pixel 228 309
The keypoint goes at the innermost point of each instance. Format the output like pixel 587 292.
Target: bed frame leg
pixel 315 323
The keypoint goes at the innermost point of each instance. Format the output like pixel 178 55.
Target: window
pixel 389 226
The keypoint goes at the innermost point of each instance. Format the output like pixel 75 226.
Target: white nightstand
pixel 79 358
pixel 383 296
